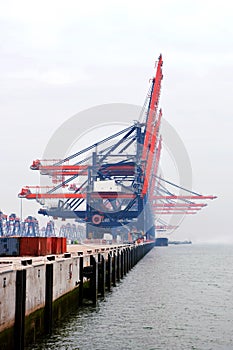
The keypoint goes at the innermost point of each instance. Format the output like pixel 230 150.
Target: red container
pixel 45 245
pixel 59 245
pixel 64 245
pixel 49 245
pixel 56 245
pixel 35 246
pixel 29 246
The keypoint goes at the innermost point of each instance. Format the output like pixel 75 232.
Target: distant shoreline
pixel 179 242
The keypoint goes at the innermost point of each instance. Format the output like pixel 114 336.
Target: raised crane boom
pixel 114 183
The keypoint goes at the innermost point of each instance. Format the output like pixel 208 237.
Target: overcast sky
pixel 59 58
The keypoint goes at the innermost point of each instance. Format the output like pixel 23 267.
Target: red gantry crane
pixel 113 184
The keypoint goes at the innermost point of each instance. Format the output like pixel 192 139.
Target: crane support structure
pixel 113 185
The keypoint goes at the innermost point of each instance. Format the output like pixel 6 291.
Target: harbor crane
pixel 114 184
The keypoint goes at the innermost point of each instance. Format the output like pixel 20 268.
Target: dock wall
pixel 35 292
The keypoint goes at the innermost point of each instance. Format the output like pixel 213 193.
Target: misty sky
pixel 59 58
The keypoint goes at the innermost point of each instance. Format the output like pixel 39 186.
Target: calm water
pixel 177 297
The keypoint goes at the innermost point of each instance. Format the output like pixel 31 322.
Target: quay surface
pixel 37 291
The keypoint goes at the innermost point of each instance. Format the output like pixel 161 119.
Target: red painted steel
pixel 183 205
pixel 177 208
pixel 153 107
pixel 150 156
pixel 64 245
pixel 183 197
pixel 156 166
pixel 176 212
pixel 35 246
pixel 69 173
pixel 57 245
pixel 49 245
pixel 75 195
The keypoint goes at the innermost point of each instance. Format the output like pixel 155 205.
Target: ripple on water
pixel 175 298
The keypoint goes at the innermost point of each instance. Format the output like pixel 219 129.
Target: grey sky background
pixel 58 58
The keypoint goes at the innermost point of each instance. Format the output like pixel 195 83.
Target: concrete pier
pixel 36 291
